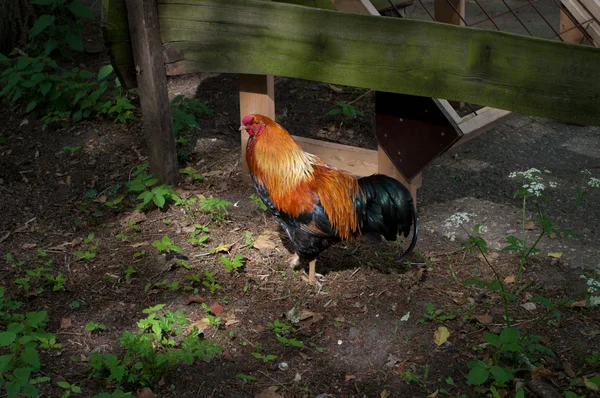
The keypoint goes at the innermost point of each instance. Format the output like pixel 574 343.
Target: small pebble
pixel 283 366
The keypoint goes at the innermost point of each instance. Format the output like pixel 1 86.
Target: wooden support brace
pixel 152 89
pixel 257 95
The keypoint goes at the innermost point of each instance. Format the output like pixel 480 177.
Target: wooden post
pixel 152 88
pixel 257 95
pixel 444 12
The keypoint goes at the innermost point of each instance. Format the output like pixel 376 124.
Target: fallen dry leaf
pixel 188 230
pixel 145 392
pixel 384 394
pixel 305 357
pixel 28 246
pixel 541 372
pixel 196 298
pixel 555 254
pixel 270 392
pixel 441 335
pixel 392 360
pixel 590 384
pixel 139 244
pixel 222 248
pixel 216 309
pixel 569 370
pixel 529 225
pixel 350 377
pixel 202 325
pixel 529 306
pixel 264 242
pixel 552 236
pixel 336 88
pixel 308 318
pixel 484 319
pixel 68 180
pixel 579 304
pixel 509 280
pixel 433 394
pixel 65 323
pixel 230 319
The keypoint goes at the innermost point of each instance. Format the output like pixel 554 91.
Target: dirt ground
pixel 364 327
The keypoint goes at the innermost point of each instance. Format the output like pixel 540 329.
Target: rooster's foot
pixel 294 261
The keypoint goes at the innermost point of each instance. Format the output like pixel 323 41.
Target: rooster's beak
pixel 242 127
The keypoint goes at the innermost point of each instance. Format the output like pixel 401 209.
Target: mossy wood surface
pixel 522 74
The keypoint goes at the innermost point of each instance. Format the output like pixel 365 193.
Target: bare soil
pixel 366 332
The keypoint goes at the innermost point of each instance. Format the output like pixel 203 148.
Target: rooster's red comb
pixel 247 119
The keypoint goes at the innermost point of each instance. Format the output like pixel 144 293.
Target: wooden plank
pixel 257 95
pixel 355 6
pixel 359 161
pixel 484 67
pixel 593 6
pixel 152 89
pixel 583 17
pixel 475 124
pixel 571 34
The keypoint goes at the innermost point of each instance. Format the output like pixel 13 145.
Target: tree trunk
pixel 16 17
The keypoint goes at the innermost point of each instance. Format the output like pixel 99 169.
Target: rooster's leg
pixel 312 278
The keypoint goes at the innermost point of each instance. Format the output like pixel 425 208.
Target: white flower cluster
pixel 455 221
pixel 532 181
pixel 593 289
pixel 594 182
pixel 458 219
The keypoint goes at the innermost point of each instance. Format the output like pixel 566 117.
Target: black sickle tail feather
pixel 386 207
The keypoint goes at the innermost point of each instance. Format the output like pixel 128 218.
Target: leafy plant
pixel 22 335
pixel 69 388
pixel 93 326
pixel 258 203
pixel 90 248
pixel 71 149
pixel 236 263
pixel 166 245
pixel 216 208
pixel 245 378
pixel 59 30
pixel 184 112
pixel 210 282
pixel 199 240
pixel 191 174
pixel 431 314
pixel 346 110
pixel 154 350
pixel 265 358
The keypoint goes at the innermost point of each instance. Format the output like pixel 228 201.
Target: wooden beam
pixel 359 161
pixel 257 95
pixel 478 66
pixel 152 90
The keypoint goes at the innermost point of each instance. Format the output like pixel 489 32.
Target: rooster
pixel 318 205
